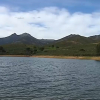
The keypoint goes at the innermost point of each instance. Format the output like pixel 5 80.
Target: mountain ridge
pixel 26 38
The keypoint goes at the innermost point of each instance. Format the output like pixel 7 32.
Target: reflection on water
pixel 48 79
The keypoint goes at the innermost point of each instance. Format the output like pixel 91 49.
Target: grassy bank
pixel 58 57
pixel 70 57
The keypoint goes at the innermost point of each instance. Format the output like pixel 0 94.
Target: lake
pixel 26 78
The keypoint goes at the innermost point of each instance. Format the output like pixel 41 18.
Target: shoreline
pixel 58 57
pixel 70 57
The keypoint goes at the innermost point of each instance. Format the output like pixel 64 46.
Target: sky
pixel 50 19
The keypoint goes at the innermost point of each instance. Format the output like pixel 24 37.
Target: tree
pixel 98 49
pixel 2 50
pixel 82 50
pixel 29 51
pixel 35 50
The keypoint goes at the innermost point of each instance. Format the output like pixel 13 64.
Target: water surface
pixel 23 78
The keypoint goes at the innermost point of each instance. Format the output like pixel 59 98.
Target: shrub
pixel 2 49
pixel 82 50
pixel 41 48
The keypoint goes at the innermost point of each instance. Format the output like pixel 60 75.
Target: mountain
pixel 24 38
pixel 74 39
pixel 95 38
pixel 78 39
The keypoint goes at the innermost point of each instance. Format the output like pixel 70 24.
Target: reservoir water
pixel 23 78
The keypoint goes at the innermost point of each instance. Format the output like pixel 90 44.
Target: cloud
pixel 3 9
pixel 48 22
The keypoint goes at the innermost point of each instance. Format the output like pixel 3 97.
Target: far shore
pixel 59 57
pixel 70 57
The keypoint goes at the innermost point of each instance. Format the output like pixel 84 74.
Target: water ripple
pixel 48 79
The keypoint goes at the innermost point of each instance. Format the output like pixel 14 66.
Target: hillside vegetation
pixel 69 50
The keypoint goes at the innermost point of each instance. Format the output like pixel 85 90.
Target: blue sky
pixel 50 19
pixel 85 6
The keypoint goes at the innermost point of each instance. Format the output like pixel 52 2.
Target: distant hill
pixel 24 38
pixel 74 39
pixel 96 38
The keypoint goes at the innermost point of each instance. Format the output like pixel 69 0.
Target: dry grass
pixel 70 57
